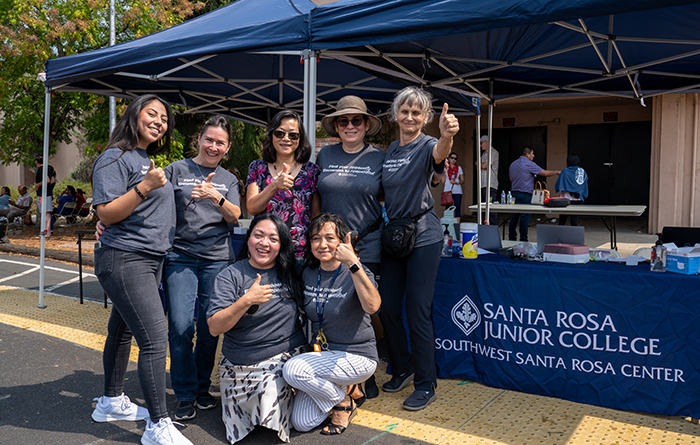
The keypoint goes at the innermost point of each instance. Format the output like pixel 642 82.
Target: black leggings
pixel 413 277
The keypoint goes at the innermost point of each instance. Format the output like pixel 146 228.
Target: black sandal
pixel 360 400
pixel 333 428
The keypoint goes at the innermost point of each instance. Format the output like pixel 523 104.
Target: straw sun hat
pixel 350 105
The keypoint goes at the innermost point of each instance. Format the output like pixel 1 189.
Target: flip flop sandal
pixel 334 429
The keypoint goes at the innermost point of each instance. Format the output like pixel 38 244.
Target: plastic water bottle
pixel 658 256
pixel 510 198
pixel 503 197
pixel 446 244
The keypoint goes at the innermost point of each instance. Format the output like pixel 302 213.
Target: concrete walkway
pixel 50 370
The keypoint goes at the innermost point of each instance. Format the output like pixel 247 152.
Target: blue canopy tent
pixel 242 60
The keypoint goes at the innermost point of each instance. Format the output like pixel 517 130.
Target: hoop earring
pixel 160 142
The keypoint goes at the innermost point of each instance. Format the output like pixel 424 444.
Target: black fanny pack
pixel 399 236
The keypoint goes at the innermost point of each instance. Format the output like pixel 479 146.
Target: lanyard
pixel 320 307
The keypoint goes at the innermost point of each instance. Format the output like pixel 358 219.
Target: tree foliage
pixel 32 31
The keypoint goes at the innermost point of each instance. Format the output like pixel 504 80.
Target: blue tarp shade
pixel 452 47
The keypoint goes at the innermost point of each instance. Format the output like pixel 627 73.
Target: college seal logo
pixel 466 315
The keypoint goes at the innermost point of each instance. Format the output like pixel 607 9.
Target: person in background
pixel 134 200
pixel 67 196
pixel 339 297
pixel 283 182
pixel 206 201
pixel 406 177
pixel 350 185
pixel 493 190
pixel 256 306
pixel 4 198
pixel 454 178
pixel 80 201
pixel 50 184
pixel 20 207
pixel 572 183
pixel 522 174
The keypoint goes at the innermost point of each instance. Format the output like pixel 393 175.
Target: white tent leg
pixel 478 165
pixel 487 219
pixel 44 170
pixel 310 70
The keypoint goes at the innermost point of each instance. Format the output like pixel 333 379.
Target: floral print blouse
pixel 293 206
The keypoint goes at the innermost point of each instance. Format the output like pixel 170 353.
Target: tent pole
pixel 310 70
pixel 488 155
pixel 44 172
pixel 112 41
pixel 478 164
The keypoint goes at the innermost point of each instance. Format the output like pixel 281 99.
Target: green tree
pixel 32 31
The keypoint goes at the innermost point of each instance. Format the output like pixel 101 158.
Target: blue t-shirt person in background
pixel 4 198
pixel 67 196
pixel 572 184
pixel 522 174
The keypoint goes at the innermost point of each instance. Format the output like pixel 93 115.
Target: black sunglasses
pixel 453 157
pixel 356 121
pixel 279 134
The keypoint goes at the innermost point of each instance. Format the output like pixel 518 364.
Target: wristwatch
pixel 354 267
pixel 221 201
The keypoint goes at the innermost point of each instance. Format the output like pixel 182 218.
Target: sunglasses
pixel 191 205
pixel 453 157
pixel 356 121
pixel 279 134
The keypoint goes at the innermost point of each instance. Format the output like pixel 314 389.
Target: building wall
pixel 66 157
pixel 675 162
pixel 537 113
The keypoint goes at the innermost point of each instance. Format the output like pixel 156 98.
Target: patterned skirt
pixel 256 395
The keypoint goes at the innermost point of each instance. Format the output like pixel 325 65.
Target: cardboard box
pixel 564 258
pixel 687 264
pixel 566 249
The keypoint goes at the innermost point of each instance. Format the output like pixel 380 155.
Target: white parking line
pixel 17 275
pixel 56 286
pixel 36 267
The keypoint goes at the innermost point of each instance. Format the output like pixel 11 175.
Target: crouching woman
pixel 256 307
pixel 339 296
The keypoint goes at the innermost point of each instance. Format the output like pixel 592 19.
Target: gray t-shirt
pixel 201 231
pixel 151 226
pixel 349 186
pixel 406 181
pixel 272 330
pixel 346 325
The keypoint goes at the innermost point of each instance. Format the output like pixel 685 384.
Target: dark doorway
pixel 617 158
pixel 509 143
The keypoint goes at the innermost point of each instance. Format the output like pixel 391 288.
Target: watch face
pixel 354 268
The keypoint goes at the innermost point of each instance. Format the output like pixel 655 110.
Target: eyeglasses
pixel 279 134
pixel 453 157
pixel 191 205
pixel 356 121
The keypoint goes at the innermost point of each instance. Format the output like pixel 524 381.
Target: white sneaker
pixel 163 433
pixel 110 409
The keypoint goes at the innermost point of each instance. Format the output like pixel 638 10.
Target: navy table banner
pixel 599 333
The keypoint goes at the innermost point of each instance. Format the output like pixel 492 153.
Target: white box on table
pixel 564 258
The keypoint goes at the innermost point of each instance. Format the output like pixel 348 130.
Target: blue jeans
pixel 131 280
pixel 186 279
pixel 524 218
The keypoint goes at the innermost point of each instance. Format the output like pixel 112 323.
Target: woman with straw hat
pixel 350 184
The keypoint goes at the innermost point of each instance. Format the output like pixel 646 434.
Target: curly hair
pixel 341 231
